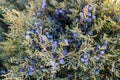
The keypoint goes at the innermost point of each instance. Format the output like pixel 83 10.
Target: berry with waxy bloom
pixel 98 46
pixel 66 41
pixel 75 34
pixel 47 34
pixel 62 61
pixel 97 58
pixel 105 44
pixel 89 51
pixel 102 51
pixel 2 71
pixel 28 36
pixel 37 31
pixel 56 11
pixel 30 70
pixel 55 43
pixel 50 37
pixel 29 32
pixel 82 59
pixel 40 27
pixel 85 56
pixel 86 63
pixel 90 7
pixel 30 73
pixel 94 17
pixel 88 19
pixel 90 33
pixel 43 4
pixel 81 14
pixel 64 52
pixel 35 24
pixel 89 14
pixel 70 40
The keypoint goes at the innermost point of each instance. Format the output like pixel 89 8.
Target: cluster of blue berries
pixel 86 19
pixel 53 37
pixel 31 67
pixel 99 52
pixel 61 19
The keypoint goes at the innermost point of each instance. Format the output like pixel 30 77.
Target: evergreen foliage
pixel 60 40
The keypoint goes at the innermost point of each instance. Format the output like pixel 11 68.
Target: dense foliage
pixel 60 39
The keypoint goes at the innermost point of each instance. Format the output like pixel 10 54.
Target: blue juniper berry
pixel 40 27
pixel 37 31
pixel 66 41
pixel 30 70
pixel 105 44
pixel 82 59
pixel 30 73
pixel 43 4
pixel 61 12
pixel 90 33
pixel 28 36
pixel 2 72
pixel 85 56
pixel 89 51
pixel 47 33
pixel 57 11
pixel 29 32
pixel 50 37
pixel 102 51
pixel 62 61
pixel 93 17
pixel 98 46
pixel 89 19
pixel 89 14
pixel 86 63
pixel 75 34
pixel 51 41
pixel 64 52
pixel 70 40
pixel 33 62
pixel 54 43
pixel 97 58
pixel 35 24
pixel 90 7
pixel 81 14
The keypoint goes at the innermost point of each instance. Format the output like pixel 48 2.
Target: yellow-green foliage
pixel 108 13
pixel 17 52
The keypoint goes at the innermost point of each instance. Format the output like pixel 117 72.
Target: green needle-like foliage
pixel 59 40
